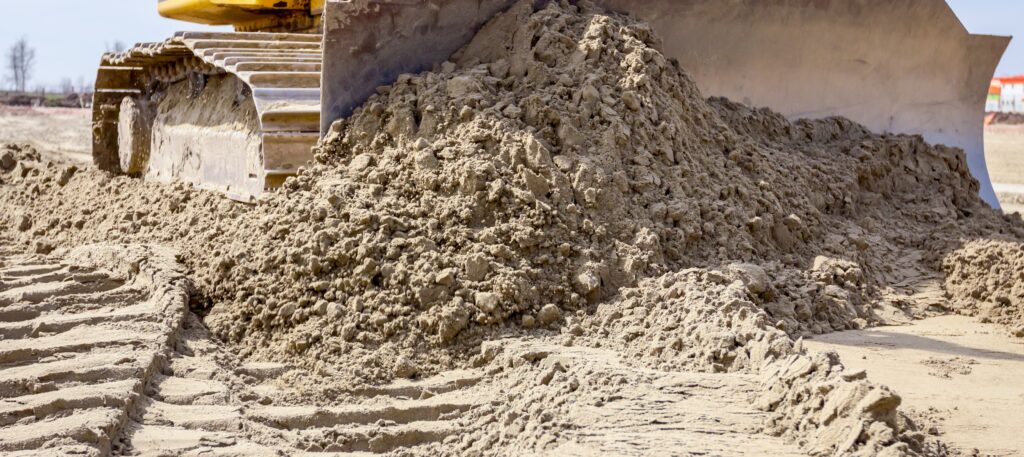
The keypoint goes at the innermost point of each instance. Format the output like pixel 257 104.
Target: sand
pixel 514 252
pixel 1004 153
pixel 959 379
pixel 60 134
pixel 101 357
pixel 986 278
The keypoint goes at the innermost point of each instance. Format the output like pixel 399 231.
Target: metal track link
pixel 282 71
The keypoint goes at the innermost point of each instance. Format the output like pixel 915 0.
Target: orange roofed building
pixel 1006 95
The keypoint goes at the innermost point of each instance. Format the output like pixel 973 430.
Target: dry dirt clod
pixel 549 314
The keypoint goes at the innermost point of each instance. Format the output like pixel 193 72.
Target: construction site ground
pixel 94 355
pixel 528 251
pixel 59 134
pixel 1004 151
pixel 955 374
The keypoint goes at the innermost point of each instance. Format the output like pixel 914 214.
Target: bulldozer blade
pixel 897 66
pixel 369 43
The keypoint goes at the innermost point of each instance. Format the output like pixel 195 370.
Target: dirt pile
pixel 560 174
pixel 22 163
pixel 559 158
pixel 986 278
pixel 1007 119
pixel 17 159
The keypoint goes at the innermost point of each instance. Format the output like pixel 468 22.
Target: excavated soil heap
pixel 1007 119
pixel 558 158
pixel 986 278
pixel 561 174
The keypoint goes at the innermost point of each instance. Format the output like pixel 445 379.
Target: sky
pixel 997 17
pixel 70 35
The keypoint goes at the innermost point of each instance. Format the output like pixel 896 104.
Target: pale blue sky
pixel 70 35
pixel 997 17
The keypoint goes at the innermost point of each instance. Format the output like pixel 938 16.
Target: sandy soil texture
pixel 985 278
pixel 1004 153
pixel 101 356
pixel 553 244
pixel 81 334
pixel 959 378
pixel 59 134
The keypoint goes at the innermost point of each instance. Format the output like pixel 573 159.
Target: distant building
pixel 1006 95
pixel 995 92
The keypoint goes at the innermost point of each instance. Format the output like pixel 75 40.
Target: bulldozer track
pixel 204 403
pixel 79 341
pixel 100 356
pixel 97 361
pixel 281 70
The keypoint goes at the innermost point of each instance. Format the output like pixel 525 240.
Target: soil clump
pixel 986 278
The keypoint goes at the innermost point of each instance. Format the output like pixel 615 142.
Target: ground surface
pixel 1004 152
pixel 94 358
pixel 81 337
pixel 663 413
pixel 952 371
pixel 101 355
pixel 60 134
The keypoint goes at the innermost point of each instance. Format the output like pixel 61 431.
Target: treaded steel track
pixel 282 71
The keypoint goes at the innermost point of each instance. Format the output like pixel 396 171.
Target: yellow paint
pixel 230 12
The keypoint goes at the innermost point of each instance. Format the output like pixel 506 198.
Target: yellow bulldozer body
pixel 243 14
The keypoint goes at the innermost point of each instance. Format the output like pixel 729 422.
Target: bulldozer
pixel 238 112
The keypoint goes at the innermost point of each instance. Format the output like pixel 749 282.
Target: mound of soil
pixel 986 278
pixel 1007 119
pixel 561 175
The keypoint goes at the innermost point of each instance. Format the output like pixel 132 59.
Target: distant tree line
pixel 19 67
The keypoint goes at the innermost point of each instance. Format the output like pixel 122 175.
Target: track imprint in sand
pixel 205 403
pixel 101 356
pixel 79 339
pixel 650 412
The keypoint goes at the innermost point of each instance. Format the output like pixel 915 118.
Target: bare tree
pixel 66 86
pixel 21 60
pixel 116 46
pixel 83 86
